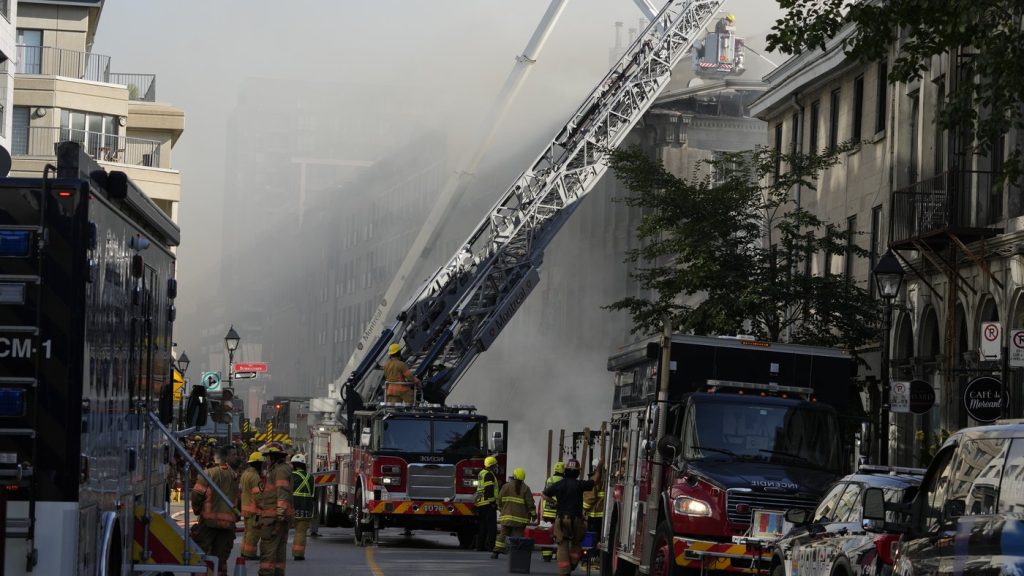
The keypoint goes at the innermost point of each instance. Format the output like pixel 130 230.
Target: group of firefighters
pixel 572 506
pixel 268 492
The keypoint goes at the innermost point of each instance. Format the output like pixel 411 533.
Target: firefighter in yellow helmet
pixel 517 509
pixel 486 504
pixel 398 377
pixel 569 523
pixel 548 514
pixel 216 533
pixel 724 24
pixel 274 506
pixel 249 489
pixel 302 493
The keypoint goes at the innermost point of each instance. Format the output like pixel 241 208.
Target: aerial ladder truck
pixel 461 309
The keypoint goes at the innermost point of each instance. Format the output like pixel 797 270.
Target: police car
pixel 834 539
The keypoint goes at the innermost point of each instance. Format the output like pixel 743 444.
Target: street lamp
pixel 888 278
pixel 182 367
pixel 231 340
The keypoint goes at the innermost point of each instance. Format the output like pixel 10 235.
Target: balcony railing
pixel 955 200
pixel 102 147
pixel 50 61
pixel 141 87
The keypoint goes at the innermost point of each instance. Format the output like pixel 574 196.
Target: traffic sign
pixel 260 367
pixel 243 375
pixel 922 397
pixel 211 380
pixel 899 397
pixel 1017 348
pixel 983 399
pixel 991 340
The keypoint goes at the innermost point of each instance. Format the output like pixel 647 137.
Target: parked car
pixel 834 539
pixel 968 516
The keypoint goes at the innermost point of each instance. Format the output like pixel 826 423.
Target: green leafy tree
pixel 729 255
pixel 985 36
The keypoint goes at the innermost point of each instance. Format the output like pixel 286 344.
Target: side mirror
pixel 874 505
pixel 364 438
pixel 669 447
pixel 797 516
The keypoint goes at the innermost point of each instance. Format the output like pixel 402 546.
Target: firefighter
pixel 548 514
pixel 593 507
pixel 515 501
pixel 399 377
pixel 486 509
pixel 569 524
pixel 216 533
pixel 302 493
pixel 249 489
pixel 274 506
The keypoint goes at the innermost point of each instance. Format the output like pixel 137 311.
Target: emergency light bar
pixel 773 388
pixel 891 469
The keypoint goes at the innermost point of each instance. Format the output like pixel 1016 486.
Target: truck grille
pixel 431 481
pixel 764 501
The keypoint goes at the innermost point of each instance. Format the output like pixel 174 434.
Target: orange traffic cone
pixel 239 566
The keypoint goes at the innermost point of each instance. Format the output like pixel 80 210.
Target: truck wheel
pixel 357 522
pixel 467 537
pixel 663 561
pixel 779 570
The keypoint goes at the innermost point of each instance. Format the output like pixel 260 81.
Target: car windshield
pixel 798 434
pixel 449 437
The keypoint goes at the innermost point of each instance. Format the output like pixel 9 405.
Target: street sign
pixel 243 375
pixel 991 340
pixel 211 380
pixel 1017 348
pixel 899 397
pixel 260 367
pixel 983 399
pixel 922 397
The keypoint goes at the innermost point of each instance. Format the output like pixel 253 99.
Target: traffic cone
pixel 239 566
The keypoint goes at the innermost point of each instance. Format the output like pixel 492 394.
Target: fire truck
pixel 700 476
pixel 87 294
pixel 465 304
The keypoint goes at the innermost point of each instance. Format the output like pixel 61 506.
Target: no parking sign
pixel 991 340
pixel 1017 348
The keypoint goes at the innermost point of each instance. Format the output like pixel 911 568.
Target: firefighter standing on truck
pixel 302 493
pixel 549 512
pixel 569 524
pixel 216 532
pixel 486 509
pixel 593 507
pixel 517 509
pixel 249 489
pixel 274 506
pixel 398 377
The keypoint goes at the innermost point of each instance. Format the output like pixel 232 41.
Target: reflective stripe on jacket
pixel 515 504
pixel 275 499
pixel 250 479
pixel 486 487
pixel 302 493
pixel 593 503
pixel 215 512
pixel 549 512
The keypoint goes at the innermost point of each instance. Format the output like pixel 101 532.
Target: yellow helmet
pixel 394 349
pixel 255 457
pixel 490 461
pixel 272 448
pixel 519 474
pixel 731 17
pixel 559 467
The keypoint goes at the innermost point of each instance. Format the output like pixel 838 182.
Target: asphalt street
pixel 334 553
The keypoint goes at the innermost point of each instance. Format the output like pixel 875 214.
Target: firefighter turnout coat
pixel 516 504
pixel 213 511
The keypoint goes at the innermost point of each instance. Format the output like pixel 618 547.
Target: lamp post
pixel 182 363
pixel 888 278
pixel 231 340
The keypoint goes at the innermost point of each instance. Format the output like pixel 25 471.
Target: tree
pixel 730 255
pixel 987 99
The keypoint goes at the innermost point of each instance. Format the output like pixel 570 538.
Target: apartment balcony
pixel 954 206
pixel 50 61
pixel 42 142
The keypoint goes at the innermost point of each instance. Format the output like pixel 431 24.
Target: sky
pixel 452 54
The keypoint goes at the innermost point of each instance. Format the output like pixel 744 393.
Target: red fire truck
pixel 751 429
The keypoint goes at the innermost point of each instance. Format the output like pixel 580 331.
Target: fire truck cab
pixel 416 467
pixel 751 430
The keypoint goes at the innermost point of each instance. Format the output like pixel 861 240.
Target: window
pixel 933 490
pixel 940 134
pixel 1011 497
pixel 974 486
pixel 813 132
pixel 915 111
pixel 825 511
pixel 826 255
pixel 20 130
pixel 833 121
pixel 30 51
pixel 851 243
pixel 876 239
pixel 849 508
pixel 858 106
pixel 97 132
pixel 882 89
pixel 796 143
pixel 778 151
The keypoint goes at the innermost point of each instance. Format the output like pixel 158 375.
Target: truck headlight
pixel 468 483
pixel 688 506
pixel 390 480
